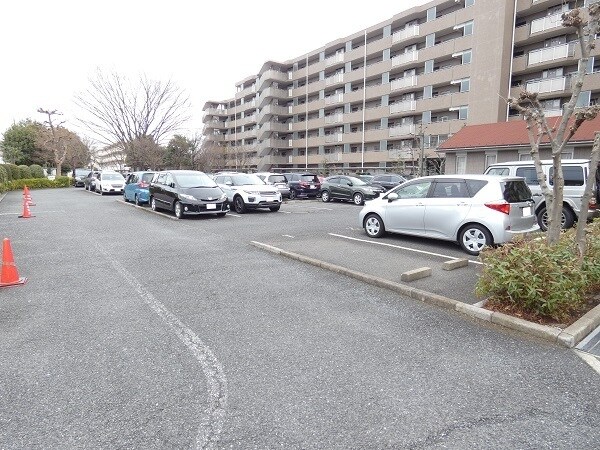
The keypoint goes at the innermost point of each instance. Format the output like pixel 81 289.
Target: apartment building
pixel 384 98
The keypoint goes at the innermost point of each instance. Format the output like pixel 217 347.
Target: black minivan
pixel 187 192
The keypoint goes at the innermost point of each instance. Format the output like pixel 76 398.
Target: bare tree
pixel 56 140
pixel 123 113
pixel 560 132
pixel 211 157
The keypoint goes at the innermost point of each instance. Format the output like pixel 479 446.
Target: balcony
pixel 546 23
pixel 335 98
pixel 547 85
pixel 407 105
pixel 337 58
pixel 405 33
pixel 550 53
pixel 335 137
pixel 405 58
pixel 403 82
pixel 337 78
pixel 402 130
pixel 334 118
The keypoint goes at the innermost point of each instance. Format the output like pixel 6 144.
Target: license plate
pixel 211 206
pixel 312 186
pixel 527 211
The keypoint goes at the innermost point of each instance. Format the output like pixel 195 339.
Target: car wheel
pixel 239 205
pixel 325 196
pixel 374 226
pixel 178 210
pixel 472 238
pixel 566 221
pixel 137 200
pixel 292 194
pixel 153 203
pixel 358 198
pixel 274 208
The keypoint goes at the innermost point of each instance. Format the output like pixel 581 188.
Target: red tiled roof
pixel 512 133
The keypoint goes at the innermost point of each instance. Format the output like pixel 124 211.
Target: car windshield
pixel 194 180
pixel 112 176
pixel 147 177
pixel 356 181
pixel 244 178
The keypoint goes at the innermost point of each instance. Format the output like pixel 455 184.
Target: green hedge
pixel 37 171
pixel 35 183
pixel 3 175
pixel 24 171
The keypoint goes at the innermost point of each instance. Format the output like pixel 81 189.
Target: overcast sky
pixel 50 49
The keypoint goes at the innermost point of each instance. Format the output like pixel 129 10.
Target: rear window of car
pixel 310 178
pixel 277 179
pixel 515 191
pixel 147 177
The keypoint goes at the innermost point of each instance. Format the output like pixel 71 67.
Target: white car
pixel 276 179
pixel 109 183
pixel 473 210
pixel 246 191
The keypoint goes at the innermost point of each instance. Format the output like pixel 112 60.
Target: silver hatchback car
pixel 473 210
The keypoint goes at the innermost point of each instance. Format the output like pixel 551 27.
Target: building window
pixel 469 3
pixel 465 85
pixel 467 28
pixel 461 164
pixel 524 156
pixel 427 92
pixel 430 40
pixel 431 14
pixel 490 158
pixel 463 112
pixel 429 66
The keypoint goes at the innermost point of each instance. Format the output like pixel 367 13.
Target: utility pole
pixel 421 150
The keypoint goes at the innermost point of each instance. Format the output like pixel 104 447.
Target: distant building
pixel 378 99
pixel 475 147
pixel 111 157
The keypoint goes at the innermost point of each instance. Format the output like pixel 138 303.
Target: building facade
pixel 384 99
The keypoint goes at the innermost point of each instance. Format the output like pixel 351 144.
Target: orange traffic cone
pixel 27 196
pixel 26 212
pixel 9 276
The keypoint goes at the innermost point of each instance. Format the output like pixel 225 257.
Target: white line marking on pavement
pixel 400 247
pixel 234 215
pixel 287 235
pixel 590 359
pixel 211 421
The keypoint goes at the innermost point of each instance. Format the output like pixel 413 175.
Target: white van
pixel 575 172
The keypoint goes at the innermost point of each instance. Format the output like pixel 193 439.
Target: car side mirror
pixel 350 183
pixel 172 184
pixel 391 197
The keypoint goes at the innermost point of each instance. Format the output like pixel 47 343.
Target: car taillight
pixel 302 184
pixel 143 184
pixel 593 204
pixel 502 207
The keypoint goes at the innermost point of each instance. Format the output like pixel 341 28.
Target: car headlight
pixel 187 197
pixel 247 191
pixel 223 197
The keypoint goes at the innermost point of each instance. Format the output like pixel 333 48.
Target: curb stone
pixel 568 337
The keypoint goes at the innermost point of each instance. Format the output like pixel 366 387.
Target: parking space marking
pixel 593 361
pixel 400 247
pixel 287 235
pixel 212 420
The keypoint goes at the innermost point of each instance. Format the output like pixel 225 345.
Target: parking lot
pixel 139 330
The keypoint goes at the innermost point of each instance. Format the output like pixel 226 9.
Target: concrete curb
pixel 569 337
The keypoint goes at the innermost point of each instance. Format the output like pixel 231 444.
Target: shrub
pixel 538 280
pixel 37 183
pixel 24 171
pixel 13 171
pixel 37 171
pixel 3 174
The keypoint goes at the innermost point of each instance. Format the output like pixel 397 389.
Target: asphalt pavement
pixel 135 330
